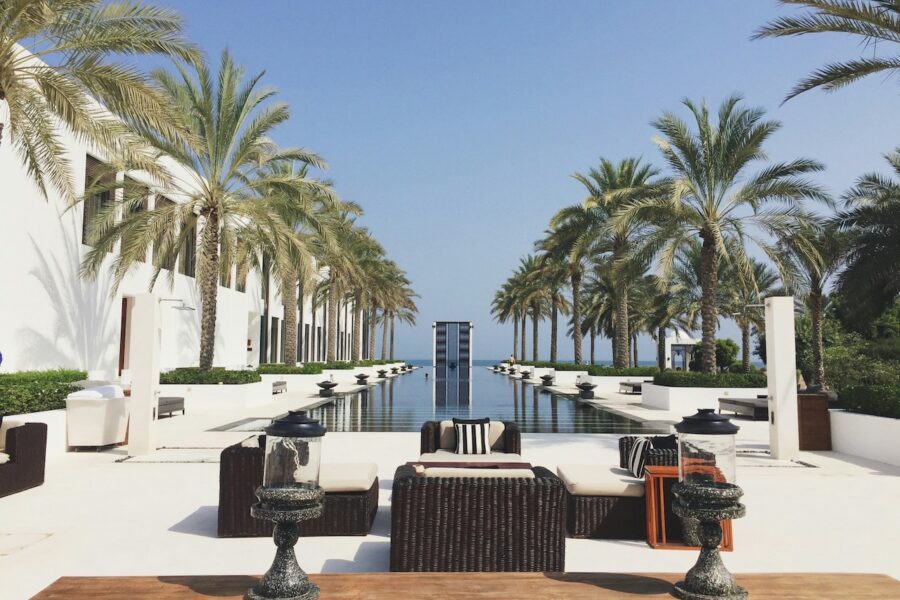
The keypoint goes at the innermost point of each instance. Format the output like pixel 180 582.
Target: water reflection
pixel 403 403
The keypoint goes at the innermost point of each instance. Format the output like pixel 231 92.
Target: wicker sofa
pixel 438 439
pixel 23 456
pixel 610 503
pixel 477 524
pixel 241 472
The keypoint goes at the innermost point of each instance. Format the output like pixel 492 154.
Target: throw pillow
pixel 472 436
pixel 636 456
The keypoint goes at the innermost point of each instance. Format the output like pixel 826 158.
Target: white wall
pixel 866 436
pixel 689 399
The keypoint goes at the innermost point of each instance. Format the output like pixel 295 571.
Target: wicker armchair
pixel 510 442
pixel 26 446
pixel 477 524
pixel 667 457
pixel 241 472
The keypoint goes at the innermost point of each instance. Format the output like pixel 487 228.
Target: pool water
pixel 404 402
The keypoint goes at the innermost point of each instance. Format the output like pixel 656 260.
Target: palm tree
pixel 504 308
pixel 871 217
pixel 744 295
pixel 611 187
pixel 230 191
pixel 570 241
pixel 552 275
pixel 874 23
pixel 599 306
pixel 713 197
pixel 77 39
pixel 535 297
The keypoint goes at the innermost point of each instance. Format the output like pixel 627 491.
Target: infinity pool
pixel 403 403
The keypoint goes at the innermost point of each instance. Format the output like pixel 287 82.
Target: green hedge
pixel 710 380
pixel 597 370
pixel 216 375
pixel 279 369
pixel 36 391
pixel 877 400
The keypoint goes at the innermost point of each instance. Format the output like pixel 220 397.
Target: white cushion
pixel 4 458
pixel 481 473
pixel 251 442
pixel 600 480
pixel 5 426
pixel 447 435
pixel 347 477
pixel 89 394
pixel 451 456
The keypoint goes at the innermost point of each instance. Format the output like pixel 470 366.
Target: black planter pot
pixel 586 390
pixel 382 373
pixel 326 388
pixel 361 378
pixel 394 370
pixel 547 380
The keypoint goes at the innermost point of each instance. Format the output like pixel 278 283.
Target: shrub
pixel 877 400
pixel 36 391
pixel 339 365
pixel 603 370
pixel 279 369
pixel 216 375
pixel 726 353
pixel 710 380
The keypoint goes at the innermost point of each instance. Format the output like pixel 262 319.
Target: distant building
pixel 678 350
pixel 452 362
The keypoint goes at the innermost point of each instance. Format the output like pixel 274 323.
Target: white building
pixel 50 317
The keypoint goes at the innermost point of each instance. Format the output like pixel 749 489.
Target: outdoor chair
pixel 351 494
pixel 438 443
pixel 97 416
pixel 23 456
pixel 488 523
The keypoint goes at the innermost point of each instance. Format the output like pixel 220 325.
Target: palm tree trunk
pixel 709 284
pixel 576 315
pixel 818 348
pixel 209 289
pixel 301 304
pixel 515 352
pixel 661 348
pixel 314 337
pixel 593 344
pixel 554 317
pixel 331 354
pixel 745 346
pixel 373 331
pixel 357 330
pixel 289 299
pixel 634 345
pixel 384 335
pixel 522 338
pixel 535 319
pixel 392 338
pixel 620 357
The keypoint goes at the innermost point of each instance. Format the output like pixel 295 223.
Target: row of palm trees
pixel 199 137
pixel 645 252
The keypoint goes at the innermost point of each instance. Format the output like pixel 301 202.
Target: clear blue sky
pixel 457 124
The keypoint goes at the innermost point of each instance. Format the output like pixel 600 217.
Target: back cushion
pixel 472 436
pixel 447 436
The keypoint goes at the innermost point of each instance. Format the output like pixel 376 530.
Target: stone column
pixel 781 369
pixel 144 365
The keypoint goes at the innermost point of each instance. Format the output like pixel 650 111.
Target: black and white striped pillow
pixel 637 455
pixel 472 436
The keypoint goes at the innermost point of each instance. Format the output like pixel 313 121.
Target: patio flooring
pixel 104 514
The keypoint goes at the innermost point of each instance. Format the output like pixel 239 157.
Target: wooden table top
pixel 568 586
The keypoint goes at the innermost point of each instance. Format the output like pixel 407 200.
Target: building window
pixel 96 174
pixel 187 258
pixel 273 344
pixel 164 262
pixel 306 343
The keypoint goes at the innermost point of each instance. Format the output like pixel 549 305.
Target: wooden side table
pixel 663 526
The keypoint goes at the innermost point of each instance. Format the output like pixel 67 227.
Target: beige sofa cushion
pixel 600 480
pixel 480 473
pixel 447 435
pixel 4 458
pixel 347 477
pixel 5 426
pixel 451 456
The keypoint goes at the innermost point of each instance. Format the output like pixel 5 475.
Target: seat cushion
pixel 451 456
pixel 347 477
pixel 480 473
pixel 6 425
pixel 600 480
pixel 448 435
pixel 4 458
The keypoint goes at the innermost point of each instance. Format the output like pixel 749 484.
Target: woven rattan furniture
pixel 438 439
pixel 24 449
pixel 604 503
pixel 241 472
pixel 477 524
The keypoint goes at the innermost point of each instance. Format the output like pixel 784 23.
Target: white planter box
pixel 688 399
pixel 212 397
pixel 569 378
pixel 56 428
pixel 610 384
pixel 866 436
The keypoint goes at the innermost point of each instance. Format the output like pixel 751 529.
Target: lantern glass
pixel 292 461
pixel 706 459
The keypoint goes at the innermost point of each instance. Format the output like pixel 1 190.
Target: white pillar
pixel 144 364
pixel 781 370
